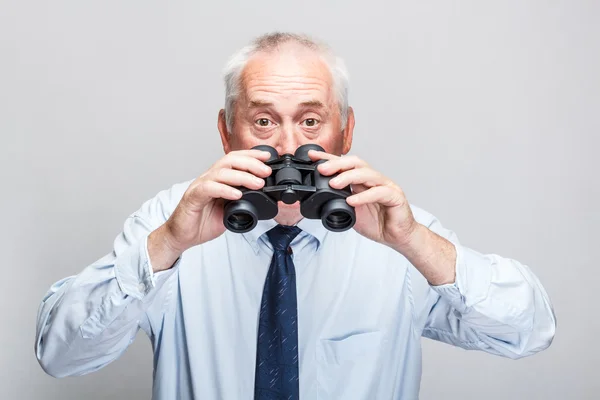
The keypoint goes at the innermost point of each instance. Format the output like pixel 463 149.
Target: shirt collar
pixel 313 227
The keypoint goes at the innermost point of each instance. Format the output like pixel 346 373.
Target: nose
pixel 287 142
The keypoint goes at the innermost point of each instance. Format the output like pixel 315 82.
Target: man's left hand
pixel 382 212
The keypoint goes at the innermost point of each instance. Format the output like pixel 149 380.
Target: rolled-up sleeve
pixel 88 320
pixel 496 304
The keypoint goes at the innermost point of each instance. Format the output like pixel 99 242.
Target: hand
pixel 198 218
pixel 382 212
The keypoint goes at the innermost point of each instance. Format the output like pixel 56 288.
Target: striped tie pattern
pixel 276 375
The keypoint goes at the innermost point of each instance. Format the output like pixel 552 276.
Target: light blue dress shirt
pixel 362 310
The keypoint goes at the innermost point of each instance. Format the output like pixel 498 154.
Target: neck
pixel 288 214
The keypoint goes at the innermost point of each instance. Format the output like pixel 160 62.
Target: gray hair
pixel 269 42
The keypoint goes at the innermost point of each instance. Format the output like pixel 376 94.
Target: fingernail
pixel 335 181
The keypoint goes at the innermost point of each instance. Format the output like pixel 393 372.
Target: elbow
pixel 543 332
pixel 59 361
pixel 52 358
pixel 53 371
pixel 538 339
pixel 546 332
pixel 53 367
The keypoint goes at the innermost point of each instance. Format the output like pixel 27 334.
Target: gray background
pixel 486 113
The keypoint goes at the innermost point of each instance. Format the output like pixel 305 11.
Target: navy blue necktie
pixel 277 348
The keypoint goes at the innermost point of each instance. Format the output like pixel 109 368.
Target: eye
pixel 263 122
pixel 311 122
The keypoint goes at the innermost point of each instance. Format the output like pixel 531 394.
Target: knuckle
pixel 201 188
pixel 195 193
pixel 221 174
pixel 397 197
pixel 231 159
pixel 223 190
pixel 354 160
pixel 235 153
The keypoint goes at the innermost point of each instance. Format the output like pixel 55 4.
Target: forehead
pixel 289 73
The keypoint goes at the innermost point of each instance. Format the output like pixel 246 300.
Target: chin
pixel 288 214
pixel 283 206
pixel 288 209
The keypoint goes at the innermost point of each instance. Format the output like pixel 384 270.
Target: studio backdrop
pixel 485 113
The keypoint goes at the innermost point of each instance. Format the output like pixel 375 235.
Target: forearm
pixel 161 250
pixel 432 255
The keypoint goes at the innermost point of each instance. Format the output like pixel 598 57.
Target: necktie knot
pixel 281 236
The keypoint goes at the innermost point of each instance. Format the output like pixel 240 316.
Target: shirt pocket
pixel 347 368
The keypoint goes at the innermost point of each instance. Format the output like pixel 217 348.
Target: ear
pixel 348 132
pixel 225 134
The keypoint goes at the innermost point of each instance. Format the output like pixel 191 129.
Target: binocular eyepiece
pixel 293 178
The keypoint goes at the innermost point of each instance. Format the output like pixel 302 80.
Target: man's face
pixel 286 101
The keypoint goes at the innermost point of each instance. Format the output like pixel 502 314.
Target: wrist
pixel 161 249
pixel 170 240
pixel 433 256
pixel 414 242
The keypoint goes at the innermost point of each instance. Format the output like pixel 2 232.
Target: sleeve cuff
pixel 133 270
pixel 472 283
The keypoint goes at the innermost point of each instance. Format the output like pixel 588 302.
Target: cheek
pixel 243 139
pixel 332 143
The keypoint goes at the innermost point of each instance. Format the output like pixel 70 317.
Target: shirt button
pixel 142 287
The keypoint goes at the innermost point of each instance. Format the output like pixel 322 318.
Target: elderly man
pixel 289 309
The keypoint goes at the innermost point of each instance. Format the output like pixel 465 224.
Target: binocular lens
pixel 338 219
pixel 240 221
pixel 240 216
pixel 337 215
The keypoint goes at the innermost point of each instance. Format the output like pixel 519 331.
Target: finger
pixel 364 176
pixel 385 195
pixel 211 189
pixel 244 162
pixel 316 155
pixel 358 188
pixel 341 164
pixel 259 154
pixel 235 177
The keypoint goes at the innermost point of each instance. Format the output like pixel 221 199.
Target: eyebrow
pixel 310 103
pixel 313 103
pixel 259 104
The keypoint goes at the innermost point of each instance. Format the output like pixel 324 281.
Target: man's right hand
pixel 198 218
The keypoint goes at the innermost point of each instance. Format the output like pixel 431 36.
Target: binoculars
pixel 293 178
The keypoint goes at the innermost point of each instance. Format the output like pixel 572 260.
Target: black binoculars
pixel 293 178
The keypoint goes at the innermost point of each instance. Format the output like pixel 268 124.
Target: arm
pixel 467 299
pixel 478 301
pixel 86 321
